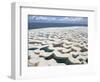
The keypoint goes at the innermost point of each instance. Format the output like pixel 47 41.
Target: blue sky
pixel 57 19
pixel 68 20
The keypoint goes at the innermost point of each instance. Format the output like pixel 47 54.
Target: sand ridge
pixel 58 46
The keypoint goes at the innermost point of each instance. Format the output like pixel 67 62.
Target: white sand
pixel 65 45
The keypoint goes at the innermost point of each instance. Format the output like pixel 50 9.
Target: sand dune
pixel 58 46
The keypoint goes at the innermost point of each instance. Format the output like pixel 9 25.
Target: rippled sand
pixel 58 46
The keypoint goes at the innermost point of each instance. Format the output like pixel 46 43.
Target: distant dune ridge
pixel 57 46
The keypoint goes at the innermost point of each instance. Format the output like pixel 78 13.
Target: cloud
pixel 43 18
pixel 73 19
pixel 59 19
